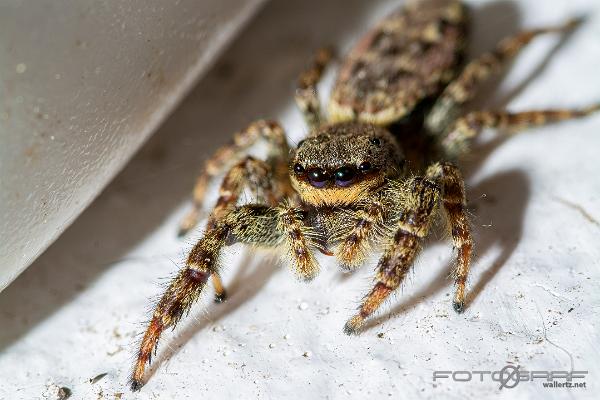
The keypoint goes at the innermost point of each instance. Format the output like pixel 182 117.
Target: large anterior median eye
pixel 344 176
pixel 317 177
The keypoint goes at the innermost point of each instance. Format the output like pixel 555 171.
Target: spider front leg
pixel 258 225
pixel 227 155
pixel 454 200
pixel 258 176
pixel 443 182
pixel 412 227
pixel 307 97
pixel 366 225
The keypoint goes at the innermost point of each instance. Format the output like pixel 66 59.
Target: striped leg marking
pixel 460 135
pixel 254 224
pixel 454 201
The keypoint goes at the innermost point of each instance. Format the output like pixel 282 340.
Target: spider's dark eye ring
pixel 298 169
pixel 364 166
pixel 344 176
pixel 375 141
pixel 317 177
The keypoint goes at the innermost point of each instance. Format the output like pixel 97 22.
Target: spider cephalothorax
pixel 345 190
pixel 343 161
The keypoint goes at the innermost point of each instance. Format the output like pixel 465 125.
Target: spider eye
pixel 344 176
pixel 317 177
pixel 364 166
pixel 375 141
pixel 298 169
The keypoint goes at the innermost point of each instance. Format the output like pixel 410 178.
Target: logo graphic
pixel 514 376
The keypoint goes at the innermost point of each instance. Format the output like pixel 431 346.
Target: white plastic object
pixel 82 85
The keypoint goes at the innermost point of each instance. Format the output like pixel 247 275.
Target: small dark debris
pixel 380 335
pixel 64 393
pixel 98 377
pixel 570 309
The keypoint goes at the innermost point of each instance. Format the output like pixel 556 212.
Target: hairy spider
pixel 346 190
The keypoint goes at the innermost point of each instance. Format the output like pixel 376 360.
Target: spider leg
pixel 456 141
pixel 306 96
pixel 412 227
pixel 252 173
pixel 220 292
pixel 367 224
pixel 258 177
pixel 225 156
pixel 254 224
pixel 454 201
pixel 463 88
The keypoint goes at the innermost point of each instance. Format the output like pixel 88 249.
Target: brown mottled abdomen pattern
pixel 408 57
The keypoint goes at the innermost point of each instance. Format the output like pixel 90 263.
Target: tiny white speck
pixel 303 305
pixel 57 76
pixel 21 68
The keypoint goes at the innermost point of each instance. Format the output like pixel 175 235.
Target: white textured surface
pixel 75 313
pixel 82 85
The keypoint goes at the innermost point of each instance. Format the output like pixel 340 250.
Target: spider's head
pixel 342 162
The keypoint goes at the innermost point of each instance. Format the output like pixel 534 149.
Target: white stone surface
pixel 534 291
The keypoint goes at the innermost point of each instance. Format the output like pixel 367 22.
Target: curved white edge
pixel 82 88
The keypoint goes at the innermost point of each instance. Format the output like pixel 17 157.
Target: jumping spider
pixel 347 186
